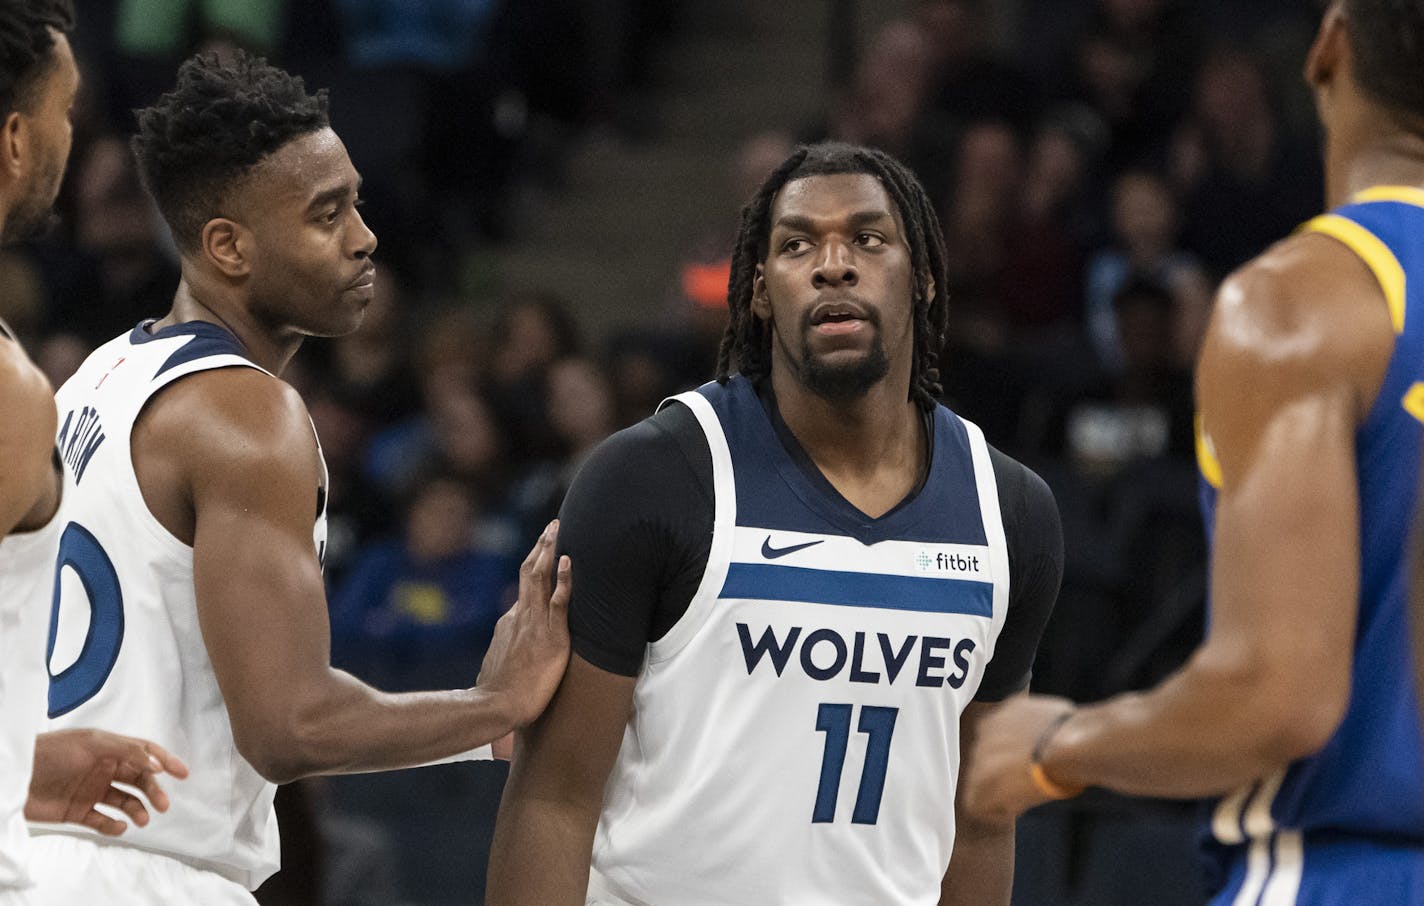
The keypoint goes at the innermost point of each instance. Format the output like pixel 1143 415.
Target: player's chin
pixel 340 319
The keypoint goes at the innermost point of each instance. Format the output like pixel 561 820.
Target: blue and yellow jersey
pixel 1368 781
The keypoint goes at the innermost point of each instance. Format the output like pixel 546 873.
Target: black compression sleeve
pixel 1035 541
pixel 637 526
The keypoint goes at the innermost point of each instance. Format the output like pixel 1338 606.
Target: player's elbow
pixel 271 755
pixel 279 746
pixel 1291 711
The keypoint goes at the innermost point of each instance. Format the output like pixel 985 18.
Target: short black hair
pixel 219 121
pixel 1387 43
pixel 747 340
pixel 26 46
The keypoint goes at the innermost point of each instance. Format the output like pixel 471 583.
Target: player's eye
pixel 792 246
pixel 869 240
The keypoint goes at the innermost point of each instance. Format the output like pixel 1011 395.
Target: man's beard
pixel 33 215
pixel 848 381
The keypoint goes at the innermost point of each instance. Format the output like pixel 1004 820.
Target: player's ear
pixel 228 246
pixel 1329 50
pixel 14 136
pixel 761 304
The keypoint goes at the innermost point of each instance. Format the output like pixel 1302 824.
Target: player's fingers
pixel 148 782
pixel 97 820
pixel 162 760
pixel 127 803
pixel 527 567
pixel 534 585
pixel 89 789
pixel 559 600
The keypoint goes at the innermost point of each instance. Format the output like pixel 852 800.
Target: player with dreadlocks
pixel 799 587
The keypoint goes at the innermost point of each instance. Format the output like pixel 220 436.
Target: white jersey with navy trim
pixel 126 650
pixel 26 588
pixel 795 735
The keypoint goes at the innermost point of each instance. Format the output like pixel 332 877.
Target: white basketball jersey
pixel 26 590
pixel 126 651
pixel 795 736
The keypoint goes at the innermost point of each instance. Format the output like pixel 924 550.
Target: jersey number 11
pixel 879 724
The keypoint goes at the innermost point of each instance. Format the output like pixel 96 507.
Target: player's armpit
pixel 544 836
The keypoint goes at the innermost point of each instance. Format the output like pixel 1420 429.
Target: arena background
pixel 555 186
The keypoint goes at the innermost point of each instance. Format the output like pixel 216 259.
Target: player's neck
pixel 264 347
pixel 856 436
pixel 1383 157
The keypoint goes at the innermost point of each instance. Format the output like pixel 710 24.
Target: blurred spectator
pixel 1000 292
pixel 1245 181
pixel 581 412
pixel 886 104
pixel 1146 226
pixel 962 63
pixel 534 329
pixel 1133 64
pixel 1137 410
pixel 418 611
pixel 120 269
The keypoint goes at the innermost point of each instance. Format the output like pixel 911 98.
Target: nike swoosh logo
pixel 771 553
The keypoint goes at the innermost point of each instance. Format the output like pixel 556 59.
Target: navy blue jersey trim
pixel 208 339
pixel 773 582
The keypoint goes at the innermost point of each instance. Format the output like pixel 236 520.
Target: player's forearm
pixel 349 727
pixel 1202 733
pixel 981 871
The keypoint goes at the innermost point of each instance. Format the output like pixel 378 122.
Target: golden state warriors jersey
pixel 125 650
pixel 795 735
pixel 1368 781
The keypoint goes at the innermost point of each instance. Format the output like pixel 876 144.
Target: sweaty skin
pixel 1294 357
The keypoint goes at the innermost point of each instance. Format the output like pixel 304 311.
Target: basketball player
pixel 799 588
pixel 191 603
pixel 1299 709
pixel 58 776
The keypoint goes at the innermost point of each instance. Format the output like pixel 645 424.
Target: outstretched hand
pixel 75 770
pixel 530 649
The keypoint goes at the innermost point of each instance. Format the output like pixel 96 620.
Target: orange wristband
pixel 1041 781
pixel 1048 786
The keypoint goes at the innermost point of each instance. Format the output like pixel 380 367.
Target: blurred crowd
pixel 1100 165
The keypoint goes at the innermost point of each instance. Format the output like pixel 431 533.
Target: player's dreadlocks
pixel 26 43
pixel 747 341
pixel 210 130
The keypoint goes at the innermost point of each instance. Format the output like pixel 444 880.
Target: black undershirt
pixel 637 523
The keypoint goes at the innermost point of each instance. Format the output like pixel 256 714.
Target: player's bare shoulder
pixel 27 441
pixel 238 429
pixel 1307 312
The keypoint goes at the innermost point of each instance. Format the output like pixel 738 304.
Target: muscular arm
pixel 227 459
pixel 28 481
pixel 1293 359
pixel 981 871
pixel 544 834
pixel 640 515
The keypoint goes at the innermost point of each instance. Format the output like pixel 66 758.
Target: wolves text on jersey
pixel 825 654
